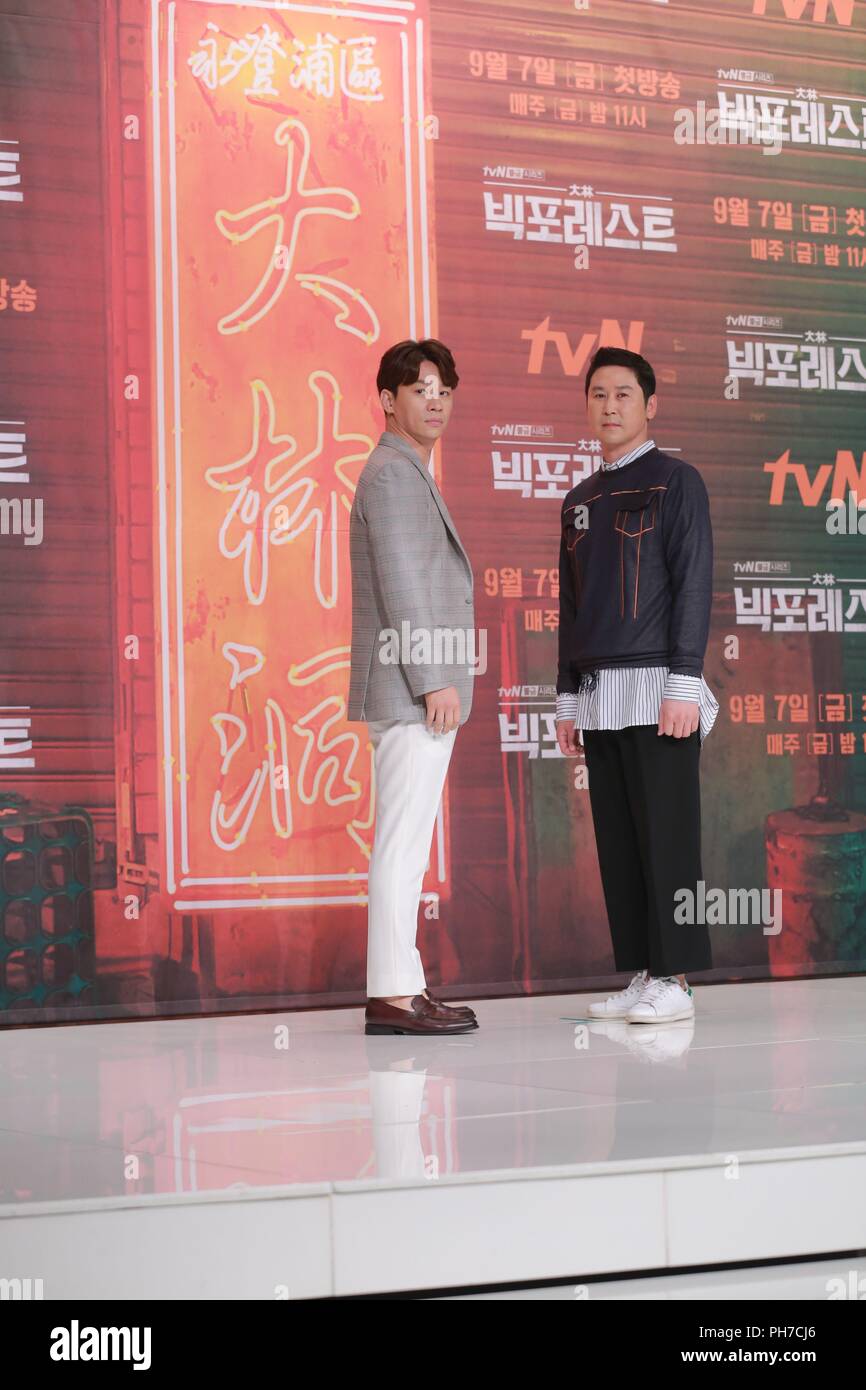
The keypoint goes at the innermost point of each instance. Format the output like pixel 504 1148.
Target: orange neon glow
pixel 292 198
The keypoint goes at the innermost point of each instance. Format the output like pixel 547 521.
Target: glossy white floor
pixel 288 1155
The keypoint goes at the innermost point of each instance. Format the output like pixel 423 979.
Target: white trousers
pixel 409 766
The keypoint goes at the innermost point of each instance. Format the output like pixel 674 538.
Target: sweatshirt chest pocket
pixel 635 516
pixel 636 511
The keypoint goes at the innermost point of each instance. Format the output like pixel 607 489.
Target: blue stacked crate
pixel 47 956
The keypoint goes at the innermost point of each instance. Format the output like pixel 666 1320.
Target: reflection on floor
pixel 544 1145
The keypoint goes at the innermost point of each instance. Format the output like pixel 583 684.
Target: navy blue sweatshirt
pixel 636 572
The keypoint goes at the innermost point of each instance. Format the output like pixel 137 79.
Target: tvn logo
pixel 573 360
pixel 524 692
pixel 521 431
pixel 762 567
pixel 751 321
pixel 511 171
pixel 847 480
pixel 743 75
pixel 818 10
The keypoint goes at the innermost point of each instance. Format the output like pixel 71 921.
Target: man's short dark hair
pixel 621 357
pixel 401 364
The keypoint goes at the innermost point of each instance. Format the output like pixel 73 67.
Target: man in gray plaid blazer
pixel 413 653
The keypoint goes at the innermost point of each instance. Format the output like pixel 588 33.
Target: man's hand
pixel 443 709
pixel 679 717
pixel 566 737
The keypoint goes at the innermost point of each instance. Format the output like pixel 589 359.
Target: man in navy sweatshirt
pixel 636 570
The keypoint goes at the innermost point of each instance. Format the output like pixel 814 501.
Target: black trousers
pixel 644 790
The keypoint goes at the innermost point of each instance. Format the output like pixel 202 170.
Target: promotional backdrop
pixel 214 218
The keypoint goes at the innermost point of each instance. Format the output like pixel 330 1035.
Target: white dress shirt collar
pixel 632 454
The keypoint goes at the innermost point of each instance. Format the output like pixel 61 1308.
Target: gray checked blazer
pixel 408 567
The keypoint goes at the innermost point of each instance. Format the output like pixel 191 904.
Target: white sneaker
pixel 618 1005
pixel 662 1000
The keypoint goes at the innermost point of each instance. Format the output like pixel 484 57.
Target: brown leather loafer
pixel 456 1010
pixel 421 1017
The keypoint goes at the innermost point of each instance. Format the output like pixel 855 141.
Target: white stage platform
pixel 289 1156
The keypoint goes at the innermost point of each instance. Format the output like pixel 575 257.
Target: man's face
pixel 423 409
pixel 616 410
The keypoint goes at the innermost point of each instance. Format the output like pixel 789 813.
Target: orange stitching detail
pixel 656 487
pixel 651 505
pixel 574 506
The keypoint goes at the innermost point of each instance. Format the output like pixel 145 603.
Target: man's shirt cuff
pixel 681 687
pixel 566 706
